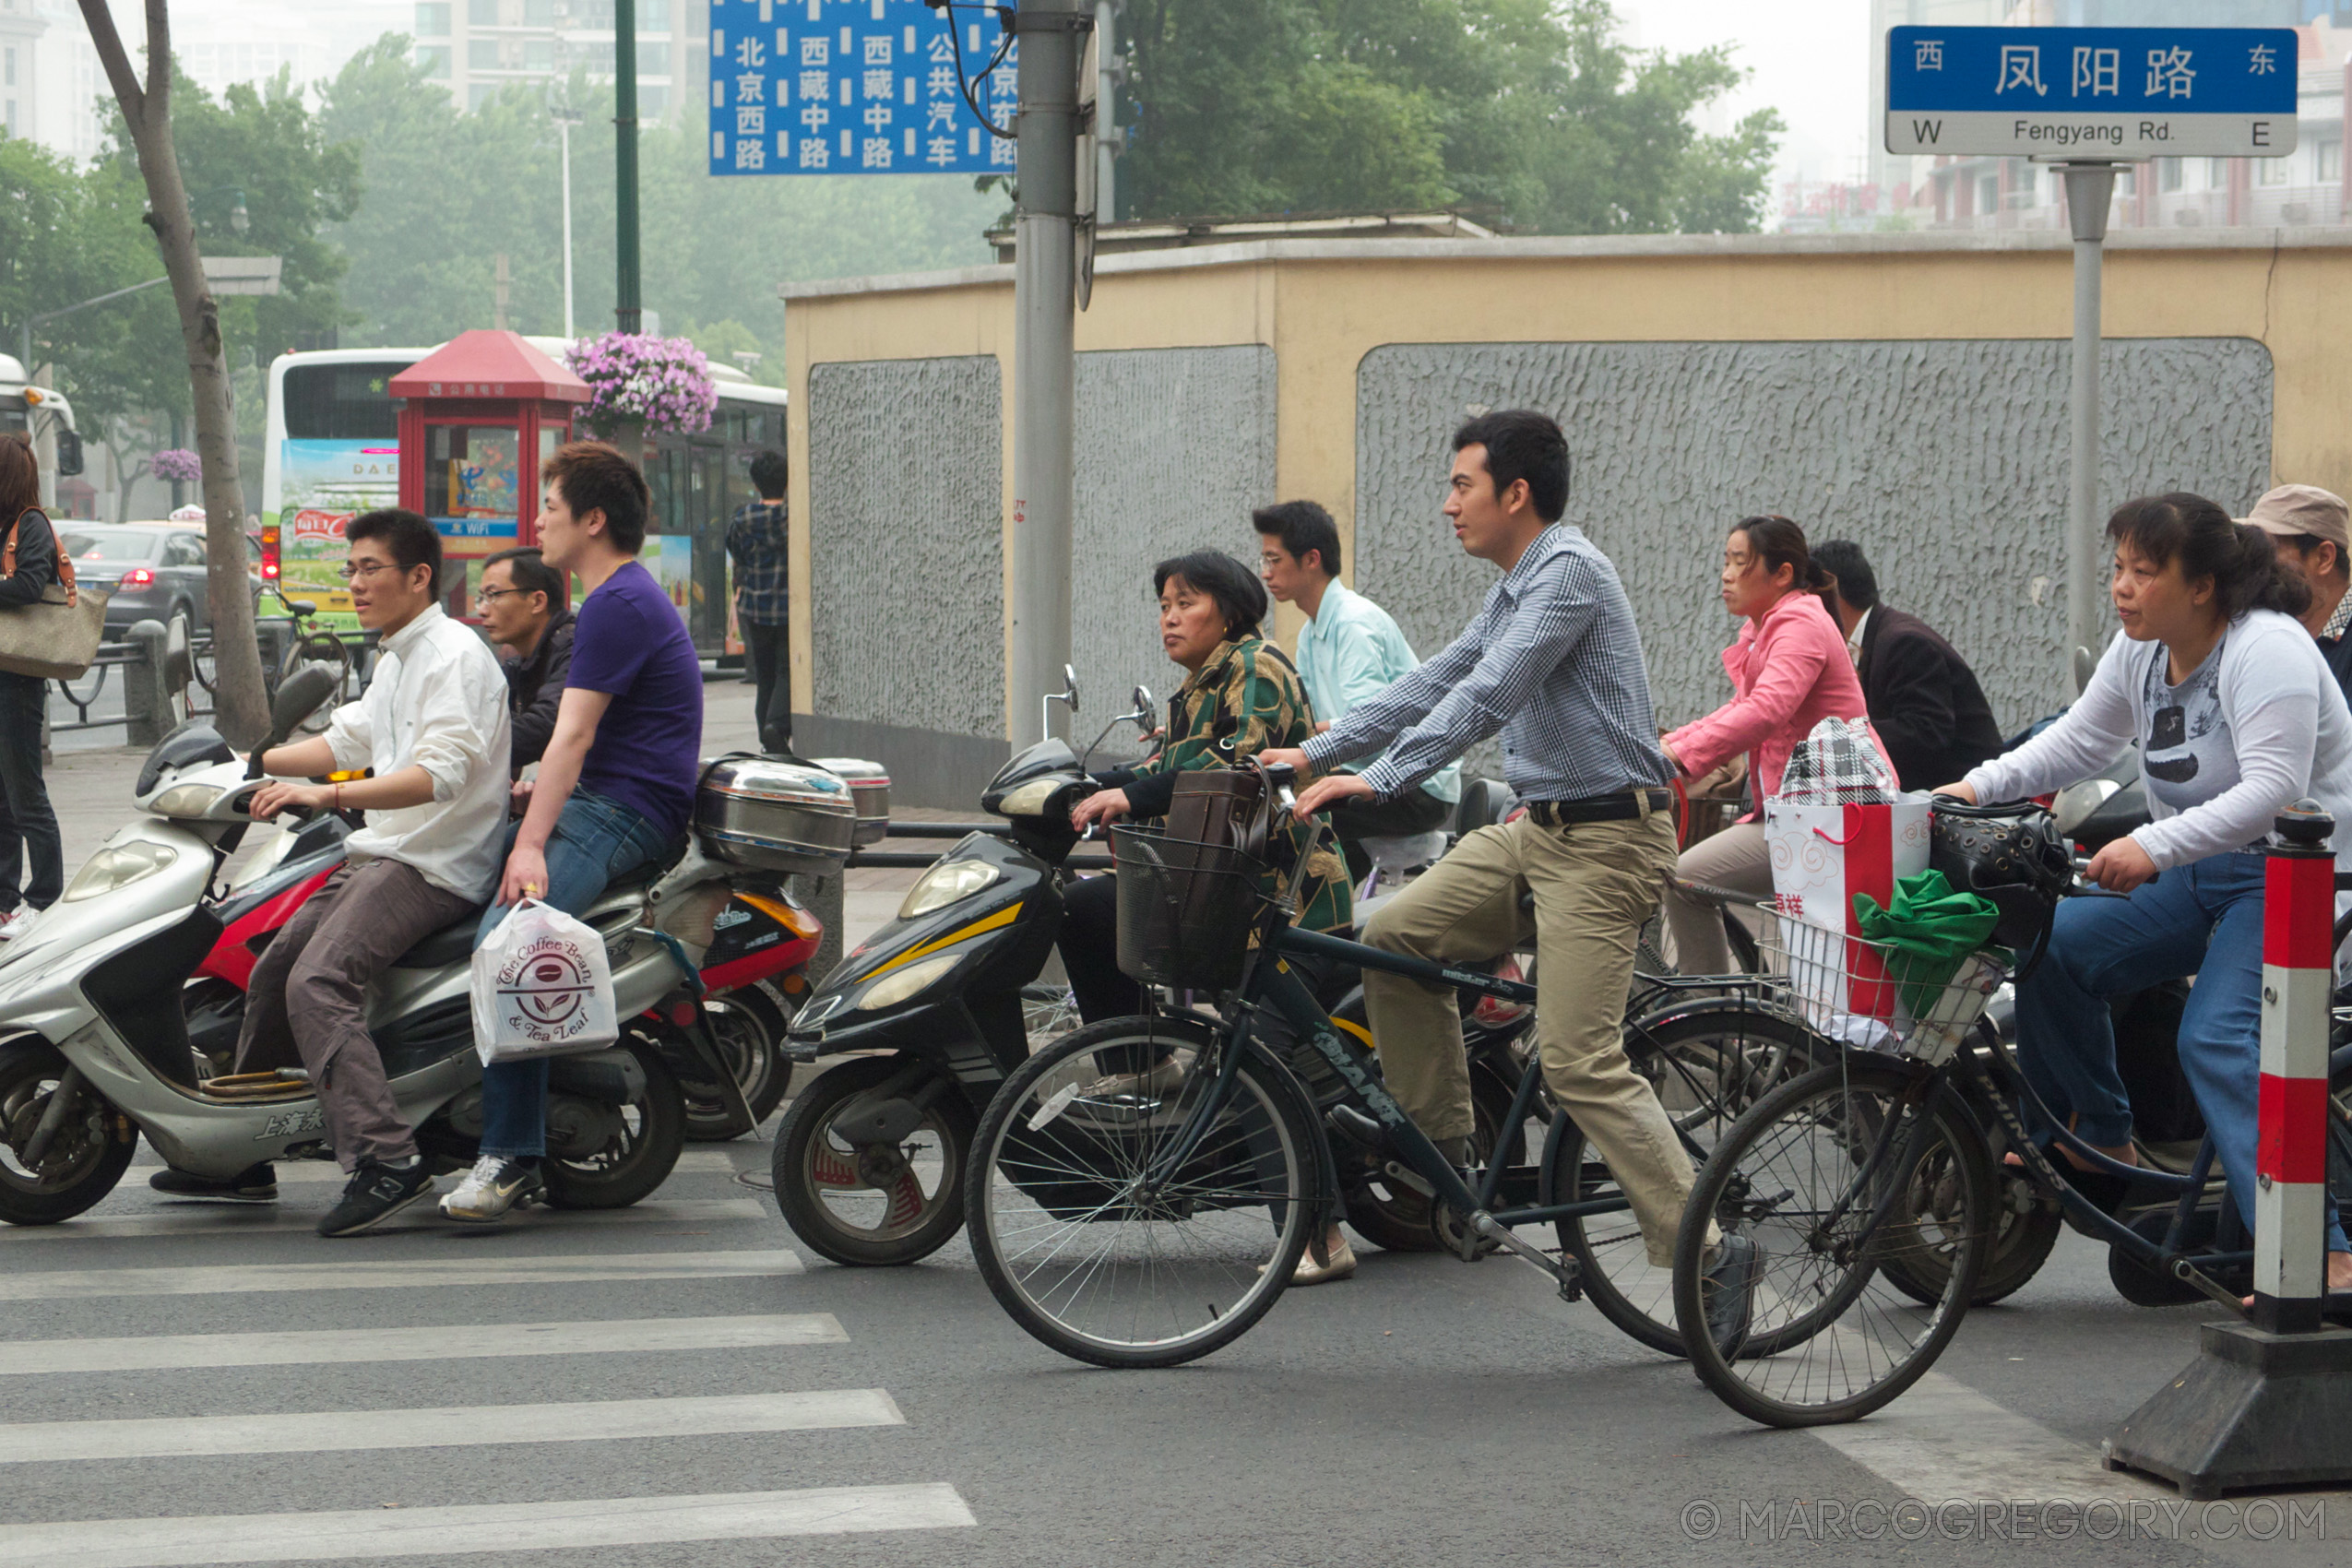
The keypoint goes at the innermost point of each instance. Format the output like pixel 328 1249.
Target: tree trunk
pixel 240 708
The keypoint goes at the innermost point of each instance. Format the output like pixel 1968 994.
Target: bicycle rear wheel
pixel 1706 1066
pixel 1084 1250
pixel 1831 1175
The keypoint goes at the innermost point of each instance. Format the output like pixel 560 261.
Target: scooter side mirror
pixel 299 696
pixel 1142 699
pixel 1070 687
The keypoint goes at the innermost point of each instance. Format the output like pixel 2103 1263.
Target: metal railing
pixel 198 698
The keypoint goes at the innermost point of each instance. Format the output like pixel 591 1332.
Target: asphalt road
pixel 712 1380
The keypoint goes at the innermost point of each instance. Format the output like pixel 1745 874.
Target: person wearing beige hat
pixel 2308 527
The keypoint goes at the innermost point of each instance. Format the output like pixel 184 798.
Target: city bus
pixel 43 413
pixel 332 450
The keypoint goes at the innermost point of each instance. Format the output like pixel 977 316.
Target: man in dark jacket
pixel 520 602
pixel 1923 699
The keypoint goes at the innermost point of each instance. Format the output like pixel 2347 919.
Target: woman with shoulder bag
pixel 27 827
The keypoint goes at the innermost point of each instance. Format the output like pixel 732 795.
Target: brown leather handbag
pixel 56 638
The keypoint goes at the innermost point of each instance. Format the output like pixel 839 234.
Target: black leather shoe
pixel 375 1193
pixel 255 1184
pixel 1361 1130
pixel 1728 1288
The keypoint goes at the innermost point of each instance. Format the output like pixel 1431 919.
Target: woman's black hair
pixel 1240 598
pixel 1782 543
pixel 2246 571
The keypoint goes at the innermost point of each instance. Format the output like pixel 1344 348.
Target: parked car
pixel 154 570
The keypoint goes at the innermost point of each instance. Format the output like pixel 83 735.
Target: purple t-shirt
pixel 630 642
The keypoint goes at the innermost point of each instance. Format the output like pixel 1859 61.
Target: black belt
pixel 1620 807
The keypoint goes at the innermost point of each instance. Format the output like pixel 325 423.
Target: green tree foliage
pixel 1532 109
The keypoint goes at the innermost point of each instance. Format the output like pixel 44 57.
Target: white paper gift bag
pixel 1823 856
pixel 541 987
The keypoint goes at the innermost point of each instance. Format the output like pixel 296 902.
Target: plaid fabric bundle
pixel 1838 765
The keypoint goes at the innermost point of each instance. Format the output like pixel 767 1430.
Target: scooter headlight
pixel 945 883
pixel 902 985
pixel 185 800
pixel 118 865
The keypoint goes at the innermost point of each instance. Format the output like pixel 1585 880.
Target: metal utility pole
pixel 1107 73
pixel 564 120
pixel 2089 188
pixel 1052 38
pixel 628 300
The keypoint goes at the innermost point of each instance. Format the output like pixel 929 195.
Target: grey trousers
pixel 308 1000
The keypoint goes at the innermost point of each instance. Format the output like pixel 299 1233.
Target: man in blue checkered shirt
pixel 757 538
pixel 1553 660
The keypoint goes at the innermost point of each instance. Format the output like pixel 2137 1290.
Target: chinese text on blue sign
pixel 2090 92
pixel 854 87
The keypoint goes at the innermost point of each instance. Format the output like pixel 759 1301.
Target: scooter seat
pixel 453 943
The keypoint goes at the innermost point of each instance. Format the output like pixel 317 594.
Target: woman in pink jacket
pixel 1790 669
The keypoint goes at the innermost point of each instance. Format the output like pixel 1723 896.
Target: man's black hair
pixel 412 542
pixel 769 473
pixel 1301 526
pixel 1844 560
pixel 1240 598
pixel 1522 445
pixel 594 477
pixel 530 573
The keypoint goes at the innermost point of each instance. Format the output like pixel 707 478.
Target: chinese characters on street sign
pixel 855 87
pixel 2090 92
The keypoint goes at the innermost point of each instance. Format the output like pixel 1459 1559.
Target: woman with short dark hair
pixel 28 825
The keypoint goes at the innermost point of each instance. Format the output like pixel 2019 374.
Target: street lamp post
pixel 628 305
pixel 564 120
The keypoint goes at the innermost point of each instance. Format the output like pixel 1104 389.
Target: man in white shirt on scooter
pixel 434 727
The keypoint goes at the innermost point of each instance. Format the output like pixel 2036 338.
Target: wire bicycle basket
pixel 1187 909
pixel 1879 995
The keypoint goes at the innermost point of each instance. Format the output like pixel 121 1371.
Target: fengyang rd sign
pixel 2118 93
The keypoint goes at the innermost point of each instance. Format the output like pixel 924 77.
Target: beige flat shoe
pixel 1341 1267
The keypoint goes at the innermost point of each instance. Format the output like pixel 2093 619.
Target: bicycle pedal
pixel 1572 1279
pixel 1395 1172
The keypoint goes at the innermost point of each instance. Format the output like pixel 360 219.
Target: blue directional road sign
pixel 2090 92
pixel 855 87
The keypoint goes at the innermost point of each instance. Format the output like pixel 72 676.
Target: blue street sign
pixel 2090 92
pixel 855 87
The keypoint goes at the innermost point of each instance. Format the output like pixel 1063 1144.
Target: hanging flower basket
pixel 177 465
pixel 660 384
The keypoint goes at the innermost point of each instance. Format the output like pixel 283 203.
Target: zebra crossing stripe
pixel 161 1353
pixel 325 1173
pixel 412 1271
pixel 324 1431
pixel 212 1220
pixel 494 1527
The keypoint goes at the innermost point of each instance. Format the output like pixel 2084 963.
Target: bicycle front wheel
pixel 1098 1250
pixel 1833 1176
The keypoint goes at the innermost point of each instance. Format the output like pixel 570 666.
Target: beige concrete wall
pixel 1322 305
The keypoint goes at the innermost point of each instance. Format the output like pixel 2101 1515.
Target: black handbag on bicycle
pixel 2011 855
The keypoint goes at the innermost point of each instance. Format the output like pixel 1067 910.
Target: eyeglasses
pixel 488 596
pixel 349 571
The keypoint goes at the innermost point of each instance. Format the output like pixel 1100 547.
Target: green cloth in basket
pixel 1932 931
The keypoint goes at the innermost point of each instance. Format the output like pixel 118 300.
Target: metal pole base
pixel 2254 1410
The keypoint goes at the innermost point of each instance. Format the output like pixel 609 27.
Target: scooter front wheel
pixel 872 1204
pixel 88 1150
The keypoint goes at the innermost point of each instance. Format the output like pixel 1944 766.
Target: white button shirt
pixel 438 702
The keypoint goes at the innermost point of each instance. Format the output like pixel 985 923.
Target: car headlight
pixel 118 865
pixel 893 989
pixel 185 800
pixel 945 883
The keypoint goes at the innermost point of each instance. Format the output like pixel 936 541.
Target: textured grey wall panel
pixel 1174 447
pixel 906 543
pixel 1946 461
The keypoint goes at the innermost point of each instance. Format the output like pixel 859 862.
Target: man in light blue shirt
pixel 1350 651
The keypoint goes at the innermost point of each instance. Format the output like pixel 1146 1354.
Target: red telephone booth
pixel 477 417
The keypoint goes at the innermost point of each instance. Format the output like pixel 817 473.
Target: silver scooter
pixel 94 1047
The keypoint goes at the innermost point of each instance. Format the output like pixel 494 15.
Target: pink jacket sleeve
pixel 1792 651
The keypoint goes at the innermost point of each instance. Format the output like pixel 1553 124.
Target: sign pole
pixel 1051 35
pixel 2090 186
pixel 628 307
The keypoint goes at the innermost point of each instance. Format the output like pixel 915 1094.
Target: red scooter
pixel 755 974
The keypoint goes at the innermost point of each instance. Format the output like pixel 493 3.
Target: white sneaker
pixel 16 921
pixel 495 1184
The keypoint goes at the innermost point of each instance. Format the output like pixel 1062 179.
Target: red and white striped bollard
pixel 2290 1150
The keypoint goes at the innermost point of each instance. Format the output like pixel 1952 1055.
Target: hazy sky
pixel 1810 59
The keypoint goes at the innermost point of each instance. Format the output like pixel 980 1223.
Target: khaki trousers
pixel 1594 885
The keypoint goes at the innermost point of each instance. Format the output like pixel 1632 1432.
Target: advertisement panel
pixel 326 484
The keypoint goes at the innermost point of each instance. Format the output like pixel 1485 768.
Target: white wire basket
pixel 1876 996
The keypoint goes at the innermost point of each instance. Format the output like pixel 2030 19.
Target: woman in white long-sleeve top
pixel 2237 717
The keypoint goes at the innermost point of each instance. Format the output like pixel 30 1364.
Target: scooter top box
pixel 774 816
pixel 870 787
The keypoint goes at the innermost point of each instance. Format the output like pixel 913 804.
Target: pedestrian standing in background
pixel 1925 703
pixel 758 540
pixel 2307 526
pixel 1350 651
pixel 27 827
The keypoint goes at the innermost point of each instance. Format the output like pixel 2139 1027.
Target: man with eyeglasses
pixel 433 727
pixel 521 605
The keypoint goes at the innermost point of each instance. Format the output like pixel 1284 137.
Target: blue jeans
pixel 597 842
pixel 2203 918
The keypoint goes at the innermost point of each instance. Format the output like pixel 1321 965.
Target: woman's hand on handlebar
pixel 1961 793
pixel 1327 791
pixel 2121 867
pixel 1105 806
pixel 279 795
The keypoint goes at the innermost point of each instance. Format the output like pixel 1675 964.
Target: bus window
pixel 342 402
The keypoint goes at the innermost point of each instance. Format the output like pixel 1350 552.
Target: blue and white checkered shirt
pixel 1553 660
pixel 758 540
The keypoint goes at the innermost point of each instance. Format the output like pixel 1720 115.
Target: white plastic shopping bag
pixel 541 987
pixel 1821 856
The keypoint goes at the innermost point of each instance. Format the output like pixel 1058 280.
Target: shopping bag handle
pixel 1841 843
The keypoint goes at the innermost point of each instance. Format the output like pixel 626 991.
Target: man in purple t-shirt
pixel 616 785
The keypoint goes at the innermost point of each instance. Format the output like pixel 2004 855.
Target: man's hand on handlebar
pixel 1329 791
pixel 2121 867
pixel 1104 806
pixel 279 795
